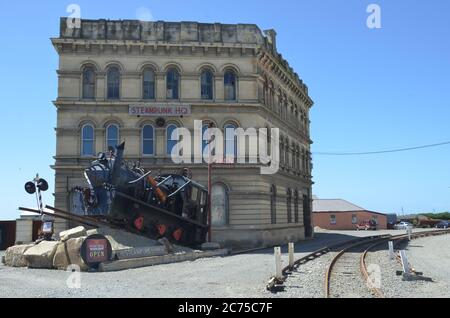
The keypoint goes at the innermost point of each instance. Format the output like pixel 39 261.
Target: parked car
pixel 403 226
pixel 443 225
pixel 367 226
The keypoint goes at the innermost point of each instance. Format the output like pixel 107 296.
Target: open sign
pixel 95 250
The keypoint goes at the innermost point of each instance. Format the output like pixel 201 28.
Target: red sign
pixel 160 110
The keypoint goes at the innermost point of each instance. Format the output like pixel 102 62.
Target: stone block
pixel 14 256
pixel 79 231
pixel 68 253
pixel 41 255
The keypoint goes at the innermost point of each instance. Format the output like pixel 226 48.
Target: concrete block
pixel 41 255
pixel 210 246
pixel 73 233
pixel 140 252
pixel 159 260
pixel 14 256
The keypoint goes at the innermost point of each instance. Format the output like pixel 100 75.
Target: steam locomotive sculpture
pixel 171 206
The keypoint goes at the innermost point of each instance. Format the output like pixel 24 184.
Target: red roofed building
pixel 338 214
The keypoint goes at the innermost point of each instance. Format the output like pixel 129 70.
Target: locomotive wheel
pixel 139 223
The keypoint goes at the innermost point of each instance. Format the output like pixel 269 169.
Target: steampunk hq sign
pixel 160 110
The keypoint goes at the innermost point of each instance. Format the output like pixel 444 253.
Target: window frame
pixel 107 139
pixel 143 140
pixel 152 71
pixel 289 205
pixel 211 73
pixel 178 77
pixel 119 82
pixel 83 139
pixel 226 140
pixel 93 84
pixel 167 138
pixel 273 204
pixel 225 85
pixel 333 220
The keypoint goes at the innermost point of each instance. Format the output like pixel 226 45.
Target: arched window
pixel 271 94
pixel 172 84
pixel 148 84
pixel 230 85
pixel 171 143
pixel 219 205
pixel 296 198
pixel 286 156
pixel 294 156
pixel 112 136
pixel 289 205
pixel 205 141
pixel 273 204
pixel 87 140
pixel 265 93
pixel 89 83
pixel 282 153
pixel 280 103
pixel 113 83
pixel 231 150
pixel 148 140
pixel 207 80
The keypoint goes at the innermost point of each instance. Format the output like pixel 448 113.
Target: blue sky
pixel 373 90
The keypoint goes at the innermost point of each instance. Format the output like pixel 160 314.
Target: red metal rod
pixel 209 200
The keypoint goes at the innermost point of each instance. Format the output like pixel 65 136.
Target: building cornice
pixel 280 68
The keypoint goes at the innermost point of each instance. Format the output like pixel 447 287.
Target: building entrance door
pixel 307 216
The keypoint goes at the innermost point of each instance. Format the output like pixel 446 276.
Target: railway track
pixel 348 275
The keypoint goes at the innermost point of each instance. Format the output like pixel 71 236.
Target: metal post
pixel 405 263
pixel 391 250
pixel 291 255
pixel 209 199
pixel 409 231
pixel 278 272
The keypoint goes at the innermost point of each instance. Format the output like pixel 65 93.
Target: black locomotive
pixel 171 205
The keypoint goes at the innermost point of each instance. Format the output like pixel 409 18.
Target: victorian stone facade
pixel 228 75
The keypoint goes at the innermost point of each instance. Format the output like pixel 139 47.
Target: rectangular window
pixel 148 147
pixel 149 90
pixel 354 219
pixel 333 219
pixel 375 219
pixel 88 148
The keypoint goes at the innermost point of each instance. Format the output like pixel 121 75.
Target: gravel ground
pixel 425 255
pixel 237 276
pixel 308 281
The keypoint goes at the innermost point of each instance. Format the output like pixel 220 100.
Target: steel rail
pixel 363 267
pixel 335 259
pixel 312 256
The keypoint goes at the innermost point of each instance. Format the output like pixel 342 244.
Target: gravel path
pixel 425 255
pixel 236 276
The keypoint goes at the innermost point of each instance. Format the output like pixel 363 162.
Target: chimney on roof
pixel 271 35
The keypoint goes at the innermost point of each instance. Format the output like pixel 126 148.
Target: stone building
pixel 228 75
